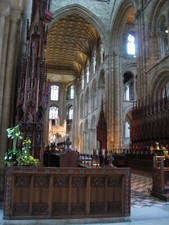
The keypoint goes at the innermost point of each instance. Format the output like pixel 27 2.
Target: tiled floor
pixel 141 192
pixel 145 209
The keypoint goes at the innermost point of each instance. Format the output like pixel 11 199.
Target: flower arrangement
pixel 15 156
pixel 11 154
pixel 25 159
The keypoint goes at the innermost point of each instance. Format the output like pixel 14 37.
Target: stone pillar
pixel 26 15
pixel 2 29
pixel 89 147
pixel 135 88
pixel 117 111
pixel 75 123
pixel 109 100
pixel 93 141
pixel 4 32
pixel 9 77
pixel 84 142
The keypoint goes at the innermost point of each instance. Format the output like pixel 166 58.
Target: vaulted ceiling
pixel 69 41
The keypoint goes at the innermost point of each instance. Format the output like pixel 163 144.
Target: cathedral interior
pixel 64 64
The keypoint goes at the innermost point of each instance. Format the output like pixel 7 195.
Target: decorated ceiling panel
pixel 70 40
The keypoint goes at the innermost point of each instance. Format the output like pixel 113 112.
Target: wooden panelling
pixel 66 192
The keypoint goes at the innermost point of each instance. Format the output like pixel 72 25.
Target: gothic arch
pixel 86 14
pixel 158 83
pixel 155 12
pixel 118 24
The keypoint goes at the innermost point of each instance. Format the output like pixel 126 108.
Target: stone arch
pixel 67 108
pixel 158 83
pixel 154 15
pixel 118 24
pixel 86 14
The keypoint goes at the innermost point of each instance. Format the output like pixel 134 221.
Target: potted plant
pixel 25 159
pixel 11 154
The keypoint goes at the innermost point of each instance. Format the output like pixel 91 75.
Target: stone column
pixel 135 88
pixel 75 123
pixel 117 112
pixel 84 142
pixel 10 73
pixel 26 15
pixel 109 100
pixel 4 30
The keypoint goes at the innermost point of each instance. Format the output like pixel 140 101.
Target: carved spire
pixel 33 90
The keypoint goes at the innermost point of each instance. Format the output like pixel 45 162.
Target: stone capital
pixel 16 14
pixel 5 8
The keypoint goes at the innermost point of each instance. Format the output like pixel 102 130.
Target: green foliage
pixel 11 156
pixel 22 158
pixel 25 159
pixel 14 133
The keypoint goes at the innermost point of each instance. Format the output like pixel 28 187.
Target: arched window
pixel 71 92
pixel 82 79
pixel 131 44
pixel 54 93
pixel 128 86
pixel 87 72
pixel 101 53
pixel 163 36
pixel 70 113
pixel 94 62
pixel 53 112
pixel 53 115
pixel 127 93
pixel 127 130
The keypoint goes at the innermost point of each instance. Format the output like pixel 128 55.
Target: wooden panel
pixel 66 192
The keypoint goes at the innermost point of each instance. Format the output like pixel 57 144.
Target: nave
pixel 145 209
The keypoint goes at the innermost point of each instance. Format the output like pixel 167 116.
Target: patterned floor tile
pixel 141 192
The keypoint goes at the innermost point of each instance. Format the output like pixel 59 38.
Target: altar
pixel 65 193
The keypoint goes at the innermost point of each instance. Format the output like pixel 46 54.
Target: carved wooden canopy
pixel 69 42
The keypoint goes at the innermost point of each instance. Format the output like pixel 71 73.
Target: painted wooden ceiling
pixel 69 41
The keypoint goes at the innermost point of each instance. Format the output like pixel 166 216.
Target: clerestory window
pixel 54 94
pixel 70 113
pixel 131 44
pixel 71 92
